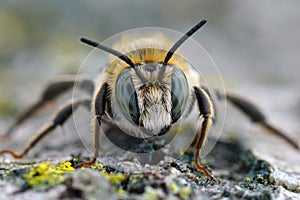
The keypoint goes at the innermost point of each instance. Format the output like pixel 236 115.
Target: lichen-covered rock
pixel 92 184
pixel 238 174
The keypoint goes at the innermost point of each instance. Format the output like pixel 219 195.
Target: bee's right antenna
pixel 182 40
pixel 109 50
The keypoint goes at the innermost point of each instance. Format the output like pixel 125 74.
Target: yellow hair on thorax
pixel 144 48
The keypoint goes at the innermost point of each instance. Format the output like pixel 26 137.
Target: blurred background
pixel 255 44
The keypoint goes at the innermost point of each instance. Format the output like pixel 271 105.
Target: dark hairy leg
pixel 53 90
pixel 60 118
pixel 207 112
pixel 256 116
pixel 99 111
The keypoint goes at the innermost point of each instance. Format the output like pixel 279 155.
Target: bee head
pixel 152 96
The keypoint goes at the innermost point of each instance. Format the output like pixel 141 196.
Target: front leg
pixel 99 111
pixel 207 113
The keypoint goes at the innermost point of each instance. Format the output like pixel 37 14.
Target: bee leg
pixel 99 109
pixel 256 116
pixel 59 119
pixel 214 96
pixel 206 109
pixel 55 88
pixel 97 141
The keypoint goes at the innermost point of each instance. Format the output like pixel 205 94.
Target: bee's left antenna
pixel 183 39
pixel 108 50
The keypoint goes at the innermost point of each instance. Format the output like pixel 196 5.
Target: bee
pixel 145 90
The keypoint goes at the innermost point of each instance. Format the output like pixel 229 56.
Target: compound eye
pixel 126 96
pixel 179 93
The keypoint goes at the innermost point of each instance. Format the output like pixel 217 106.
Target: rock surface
pixel 238 174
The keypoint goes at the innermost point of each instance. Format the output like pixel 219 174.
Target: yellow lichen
pixel 182 191
pixel 65 166
pixel 174 188
pixel 98 166
pixel 119 191
pixel 185 192
pixel 45 175
pixel 247 179
pixel 259 178
pixel 113 178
